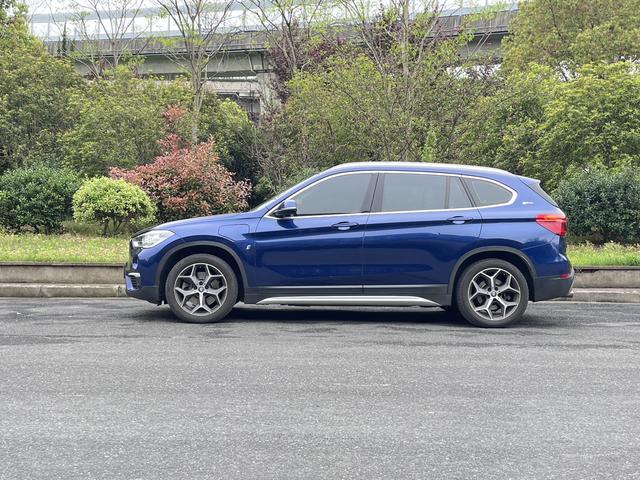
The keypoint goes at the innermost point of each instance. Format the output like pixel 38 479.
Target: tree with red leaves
pixel 187 180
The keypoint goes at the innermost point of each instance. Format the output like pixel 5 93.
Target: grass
pixel 84 248
pixel 610 254
pixel 66 248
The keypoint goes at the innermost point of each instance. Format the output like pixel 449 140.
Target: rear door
pixel 420 225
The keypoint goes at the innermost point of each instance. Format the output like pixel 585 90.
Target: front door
pixel 318 250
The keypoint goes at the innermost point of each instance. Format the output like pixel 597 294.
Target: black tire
pixel 220 308
pixel 452 309
pixel 503 315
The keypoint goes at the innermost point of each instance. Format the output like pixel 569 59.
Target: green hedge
pixel 602 205
pixel 112 203
pixel 37 197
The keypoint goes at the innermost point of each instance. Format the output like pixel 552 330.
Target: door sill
pixel 351 300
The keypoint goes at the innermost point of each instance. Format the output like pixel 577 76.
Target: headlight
pixel 150 238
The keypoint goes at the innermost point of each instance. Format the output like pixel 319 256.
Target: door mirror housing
pixel 288 208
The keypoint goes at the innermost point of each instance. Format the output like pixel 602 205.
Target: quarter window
pixel 337 195
pixel 412 192
pixel 488 193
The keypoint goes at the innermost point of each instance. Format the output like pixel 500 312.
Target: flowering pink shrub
pixel 187 180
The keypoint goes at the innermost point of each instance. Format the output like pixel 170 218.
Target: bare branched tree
pixel 107 30
pixel 288 26
pixel 202 36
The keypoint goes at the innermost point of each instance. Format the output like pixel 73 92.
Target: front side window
pixel 488 193
pixel 414 192
pixel 341 194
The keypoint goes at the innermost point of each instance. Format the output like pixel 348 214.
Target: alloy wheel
pixel 200 289
pixel 494 294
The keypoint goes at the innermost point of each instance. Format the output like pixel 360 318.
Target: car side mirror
pixel 288 208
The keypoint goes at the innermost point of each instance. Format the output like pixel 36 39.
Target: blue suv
pixel 477 241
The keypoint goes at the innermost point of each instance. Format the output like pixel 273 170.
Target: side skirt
pixel 352 295
pixel 358 300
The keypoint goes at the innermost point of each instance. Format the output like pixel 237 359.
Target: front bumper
pixel 136 290
pixel 547 288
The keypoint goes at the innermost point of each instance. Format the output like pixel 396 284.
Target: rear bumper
pixel 547 288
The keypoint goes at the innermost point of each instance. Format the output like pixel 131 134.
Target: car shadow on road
pixel 336 315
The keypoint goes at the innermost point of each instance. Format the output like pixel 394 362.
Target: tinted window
pixel 489 193
pixel 458 198
pixel 410 192
pixel 340 194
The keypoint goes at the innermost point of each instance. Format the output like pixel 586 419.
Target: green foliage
pixel 540 126
pixel 34 94
pixel 565 34
pixel 228 124
pixel 112 203
pixel 501 130
pixel 593 119
pixel 38 197
pixel 119 121
pixel 602 205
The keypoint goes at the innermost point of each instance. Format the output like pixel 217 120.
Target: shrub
pixel 602 205
pixel 37 197
pixel 112 203
pixel 188 181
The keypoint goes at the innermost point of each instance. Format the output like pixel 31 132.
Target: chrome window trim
pixel 514 195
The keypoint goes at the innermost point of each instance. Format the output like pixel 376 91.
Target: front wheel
pixel 492 293
pixel 201 288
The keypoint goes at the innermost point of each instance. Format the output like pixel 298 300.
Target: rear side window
pixel 339 194
pixel 488 193
pixel 413 192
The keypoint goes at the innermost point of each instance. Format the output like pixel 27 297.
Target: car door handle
pixel 459 219
pixel 344 225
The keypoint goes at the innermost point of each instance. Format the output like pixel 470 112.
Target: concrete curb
pixel 604 295
pixel 61 290
pixel 593 284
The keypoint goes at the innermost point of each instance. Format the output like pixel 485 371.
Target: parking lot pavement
pixel 114 388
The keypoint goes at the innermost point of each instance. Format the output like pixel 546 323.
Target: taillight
pixel 556 223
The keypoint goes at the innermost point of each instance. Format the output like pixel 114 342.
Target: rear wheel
pixel 492 293
pixel 201 288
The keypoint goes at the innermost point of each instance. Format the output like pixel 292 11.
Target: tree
pixel 187 180
pixel 116 37
pixel 292 29
pixel 565 34
pixel 34 94
pixel 541 126
pixel 119 121
pixel 502 128
pixel 391 95
pixel 593 119
pixel 202 37
pixel 228 124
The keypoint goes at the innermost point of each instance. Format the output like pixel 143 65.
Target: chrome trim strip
pixel 514 195
pixel 133 275
pixel 364 300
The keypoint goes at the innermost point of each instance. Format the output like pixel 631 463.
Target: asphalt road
pixel 116 389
